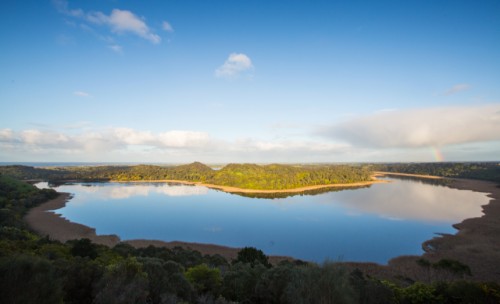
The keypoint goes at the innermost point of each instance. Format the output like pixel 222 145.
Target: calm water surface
pixel 368 224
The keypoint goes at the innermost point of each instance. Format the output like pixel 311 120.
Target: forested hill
pixel 250 176
pixel 247 176
pixel 473 170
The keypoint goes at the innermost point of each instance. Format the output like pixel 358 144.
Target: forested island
pixel 36 269
pixel 243 176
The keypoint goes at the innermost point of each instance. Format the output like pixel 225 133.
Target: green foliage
pixel 327 284
pixel 166 280
pixel 241 280
pixel 84 248
pixel 28 279
pixel 123 282
pixel 369 291
pixel 80 280
pixel 467 292
pixel 17 197
pixel 282 177
pixel 473 170
pixel 246 176
pixel 205 279
pixel 273 283
pixel 253 256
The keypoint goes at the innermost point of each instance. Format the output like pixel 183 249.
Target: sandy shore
pixel 476 244
pixel 46 222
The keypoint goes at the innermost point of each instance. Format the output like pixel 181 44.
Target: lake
pixel 371 224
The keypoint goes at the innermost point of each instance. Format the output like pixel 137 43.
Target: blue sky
pixel 249 81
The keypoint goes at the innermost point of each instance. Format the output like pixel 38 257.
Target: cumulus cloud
pixel 440 126
pixel 182 139
pixel 457 88
pixel 234 65
pixel 170 139
pixel 119 21
pixel 106 140
pixel 167 27
pixel 181 144
pixel 6 135
pixel 122 21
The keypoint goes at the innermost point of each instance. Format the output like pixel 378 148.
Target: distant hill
pixel 474 170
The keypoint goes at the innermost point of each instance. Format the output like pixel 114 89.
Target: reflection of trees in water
pixel 421 180
pixel 290 194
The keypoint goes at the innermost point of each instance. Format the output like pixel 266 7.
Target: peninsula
pixel 235 178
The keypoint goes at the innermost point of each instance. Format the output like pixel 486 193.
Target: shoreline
pixel 475 243
pixel 45 221
pixel 412 175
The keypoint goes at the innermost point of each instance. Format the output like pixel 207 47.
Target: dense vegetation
pixel 473 170
pixel 247 176
pixel 34 269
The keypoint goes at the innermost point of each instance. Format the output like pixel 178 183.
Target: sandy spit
pixel 258 191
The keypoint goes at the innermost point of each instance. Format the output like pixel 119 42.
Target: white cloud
pixel 133 137
pixel 106 140
pixel 122 21
pixel 6 134
pixel 119 21
pixel 457 88
pixel 166 26
pixel 234 65
pixel 181 144
pixel 62 7
pixel 440 126
pixel 81 94
pixel 183 139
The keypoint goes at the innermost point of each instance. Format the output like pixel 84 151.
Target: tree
pixel 241 280
pixel 84 248
pixel 80 282
pixel 28 279
pixel 166 280
pixel 205 279
pixel 253 256
pixel 123 282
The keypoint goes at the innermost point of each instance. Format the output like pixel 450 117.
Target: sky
pixel 249 81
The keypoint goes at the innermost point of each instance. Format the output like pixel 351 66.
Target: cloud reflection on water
pixel 137 189
pixel 410 200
